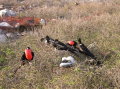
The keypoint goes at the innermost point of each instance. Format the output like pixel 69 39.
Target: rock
pixel 12 35
pixel 3 38
pixel 43 21
pixel 7 12
pixel 2 32
pixel 5 24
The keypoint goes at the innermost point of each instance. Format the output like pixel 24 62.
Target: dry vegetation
pixel 94 22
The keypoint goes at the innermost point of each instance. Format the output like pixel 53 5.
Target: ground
pixel 93 22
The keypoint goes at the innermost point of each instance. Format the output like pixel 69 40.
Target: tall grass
pixel 94 22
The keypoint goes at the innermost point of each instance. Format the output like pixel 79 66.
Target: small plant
pixel 1 87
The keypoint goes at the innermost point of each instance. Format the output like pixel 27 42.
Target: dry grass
pixel 94 22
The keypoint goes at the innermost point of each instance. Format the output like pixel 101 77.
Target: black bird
pixel 85 50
